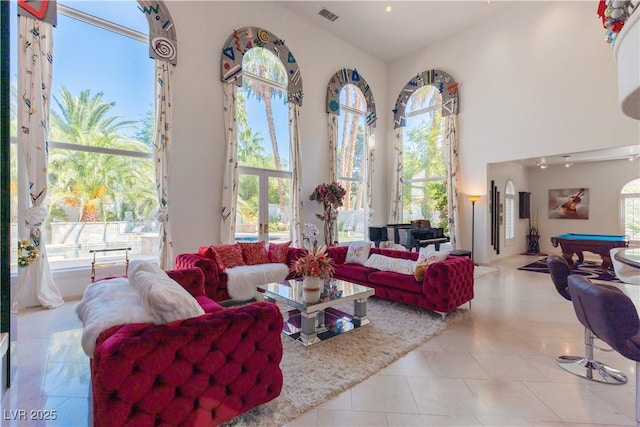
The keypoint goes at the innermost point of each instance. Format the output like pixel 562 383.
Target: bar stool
pixel 612 317
pixel 583 366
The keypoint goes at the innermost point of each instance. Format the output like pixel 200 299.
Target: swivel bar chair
pixel 612 317
pixel 583 366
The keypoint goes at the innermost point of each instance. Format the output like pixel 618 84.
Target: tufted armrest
pixel 449 284
pixel 195 372
pixel 215 284
pixel 192 279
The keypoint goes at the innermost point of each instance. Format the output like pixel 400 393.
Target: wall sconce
pixel 567 163
pixel 473 199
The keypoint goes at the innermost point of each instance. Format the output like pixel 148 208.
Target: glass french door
pixel 264 205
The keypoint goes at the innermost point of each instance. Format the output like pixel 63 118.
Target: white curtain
pixel 453 177
pixel 370 141
pixel 395 216
pixel 296 180
pixel 332 126
pixel 230 180
pixel 35 58
pixel 163 137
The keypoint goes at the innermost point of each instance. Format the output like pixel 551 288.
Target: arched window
pixel 630 207
pixel 264 164
pixel 101 191
pixel 509 212
pixel 425 181
pixel 423 190
pixel 261 191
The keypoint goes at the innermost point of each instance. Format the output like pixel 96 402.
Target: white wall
pixel 197 159
pixel 537 81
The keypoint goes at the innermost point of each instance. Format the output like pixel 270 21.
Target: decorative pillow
pixel 208 252
pixel 385 263
pixel 358 253
pixel 278 252
pixel 421 269
pixel 164 298
pixel 254 252
pixel 229 255
pixel 428 254
pixel 141 265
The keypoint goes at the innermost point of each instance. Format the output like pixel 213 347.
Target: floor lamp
pixel 473 200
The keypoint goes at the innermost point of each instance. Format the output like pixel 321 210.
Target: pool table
pixel 599 244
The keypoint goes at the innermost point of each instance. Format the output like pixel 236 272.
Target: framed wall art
pixel 569 203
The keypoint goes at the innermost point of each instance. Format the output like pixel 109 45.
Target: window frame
pixel 509 213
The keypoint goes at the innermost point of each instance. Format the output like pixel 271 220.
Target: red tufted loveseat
pixel 193 373
pixel 446 285
pixel 215 282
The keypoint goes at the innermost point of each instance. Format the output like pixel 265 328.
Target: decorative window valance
pixel 338 81
pixel 45 11
pixel 442 81
pixel 163 44
pixel 247 38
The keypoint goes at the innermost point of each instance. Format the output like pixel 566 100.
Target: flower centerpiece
pixel 315 267
pixel 330 197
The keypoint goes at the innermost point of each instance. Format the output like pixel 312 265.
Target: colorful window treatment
pixel 35 58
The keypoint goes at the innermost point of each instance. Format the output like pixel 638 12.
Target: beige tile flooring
pixel 496 368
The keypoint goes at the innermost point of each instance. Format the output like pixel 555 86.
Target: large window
pixel 509 213
pixel 351 167
pixel 424 193
pixel 631 210
pixel 101 171
pixel 264 172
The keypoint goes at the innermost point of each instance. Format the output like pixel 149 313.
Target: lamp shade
pixel 473 199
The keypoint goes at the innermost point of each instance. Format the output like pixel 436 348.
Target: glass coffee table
pixel 310 323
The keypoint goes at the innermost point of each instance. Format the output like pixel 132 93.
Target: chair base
pixel 591 370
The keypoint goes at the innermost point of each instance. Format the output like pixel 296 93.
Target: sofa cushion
pixel 278 252
pixel 208 252
pixel 358 253
pixel 164 298
pixel 395 280
pixel 385 263
pixel 229 255
pixel 353 272
pixel 254 252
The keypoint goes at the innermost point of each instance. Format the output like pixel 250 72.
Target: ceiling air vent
pixel 330 16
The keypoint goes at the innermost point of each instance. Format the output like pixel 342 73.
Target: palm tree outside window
pixel 101 170
pixel 264 160
pixel 351 167
pixel 424 193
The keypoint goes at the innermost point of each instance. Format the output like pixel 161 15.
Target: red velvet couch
pixel 446 285
pixel 215 282
pixel 195 372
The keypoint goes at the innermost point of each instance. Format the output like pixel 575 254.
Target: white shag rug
pixel 315 374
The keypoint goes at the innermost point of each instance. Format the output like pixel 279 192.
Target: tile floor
pixel 496 368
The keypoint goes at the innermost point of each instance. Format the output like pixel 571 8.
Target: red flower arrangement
pixel 315 263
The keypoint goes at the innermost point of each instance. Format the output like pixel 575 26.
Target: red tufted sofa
pixel 193 373
pixel 446 285
pixel 215 282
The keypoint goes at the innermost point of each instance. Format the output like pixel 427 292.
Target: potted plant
pixel 315 268
pixel 330 196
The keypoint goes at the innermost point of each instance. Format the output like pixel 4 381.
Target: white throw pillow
pixel 141 265
pixel 430 255
pixel 385 263
pixel 358 253
pixel 164 298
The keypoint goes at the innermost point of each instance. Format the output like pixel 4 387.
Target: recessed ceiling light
pixel 388 9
